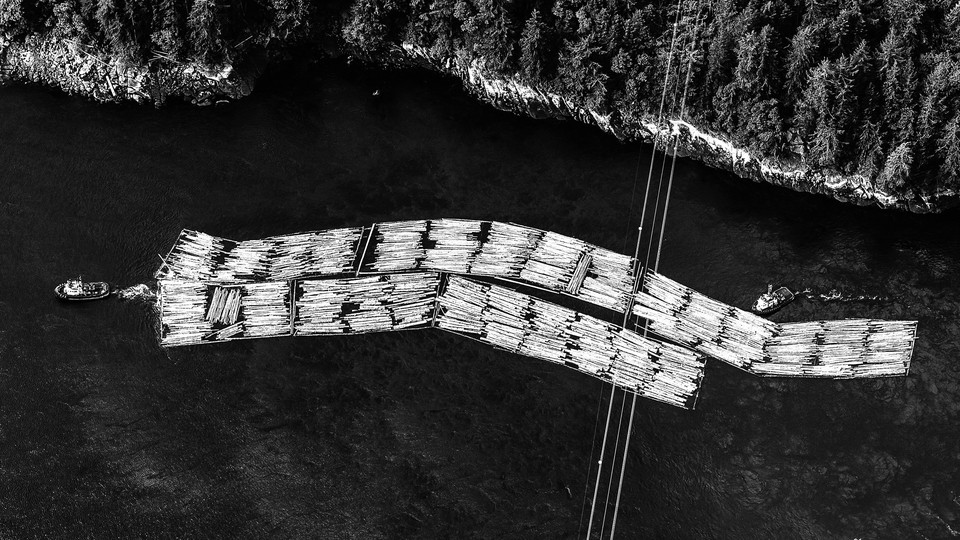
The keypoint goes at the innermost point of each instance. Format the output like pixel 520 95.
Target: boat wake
pixel 140 292
pixel 834 295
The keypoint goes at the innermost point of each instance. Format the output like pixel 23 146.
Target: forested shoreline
pixel 851 88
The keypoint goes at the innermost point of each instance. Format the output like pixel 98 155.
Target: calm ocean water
pixel 423 434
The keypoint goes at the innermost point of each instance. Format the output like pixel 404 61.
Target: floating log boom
pixel 422 273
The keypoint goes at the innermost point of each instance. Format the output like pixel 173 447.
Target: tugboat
pixel 76 289
pixel 772 300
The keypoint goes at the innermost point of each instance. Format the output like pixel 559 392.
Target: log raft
pixel 839 349
pixel 423 273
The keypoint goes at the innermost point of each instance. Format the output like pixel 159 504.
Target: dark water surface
pixel 424 434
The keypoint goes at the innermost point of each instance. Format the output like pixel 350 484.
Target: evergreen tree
pixel 721 63
pixel 949 148
pixel 168 35
pixel 896 170
pixel 747 105
pixel 498 41
pixel 206 32
pixel 419 30
pixel 765 127
pixel 869 150
pixel 291 19
pixel 113 25
pixel 372 24
pixel 804 54
pixel 444 27
pixel 634 61
pixel 899 89
pixel 475 19
pixel 824 145
pixel 952 28
pixel 813 115
pixel 11 16
pixel 581 75
pixel 136 15
pixel 846 111
pixel 567 22
pixel 941 101
pixel 532 50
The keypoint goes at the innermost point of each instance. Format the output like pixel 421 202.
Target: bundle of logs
pixel 519 323
pixel 422 273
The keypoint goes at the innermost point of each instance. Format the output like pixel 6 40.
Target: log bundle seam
pixel 464 276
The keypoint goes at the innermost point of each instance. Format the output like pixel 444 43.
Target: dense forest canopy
pixel 210 31
pixel 855 86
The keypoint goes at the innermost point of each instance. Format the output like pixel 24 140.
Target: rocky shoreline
pixel 511 94
pixel 75 69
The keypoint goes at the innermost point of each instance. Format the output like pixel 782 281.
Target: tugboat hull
pixel 92 291
pixel 771 302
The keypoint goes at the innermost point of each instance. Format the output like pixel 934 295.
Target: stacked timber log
pixel 850 348
pixel 318 253
pixel 506 250
pixel 201 256
pixel 228 332
pixel 546 333
pixel 224 306
pixel 579 274
pixel 682 315
pixel 267 270
pixel 505 314
pixel 399 246
pixel 520 323
pixel 836 349
pixel 413 300
pixel 243 261
pixel 609 282
pixel 182 309
pixel 553 261
pixel 462 305
pixel 366 304
pixel 192 257
pixel 455 244
pixel 319 307
pixel 266 309
pixel 544 259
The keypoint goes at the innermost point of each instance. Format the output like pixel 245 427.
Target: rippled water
pixel 425 434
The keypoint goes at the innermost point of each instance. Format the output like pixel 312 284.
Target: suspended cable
pixel 653 157
pixel 656 202
pixel 676 144
pixel 673 40
pixel 613 467
pixel 656 264
pixel 593 444
pixel 613 464
pixel 603 447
